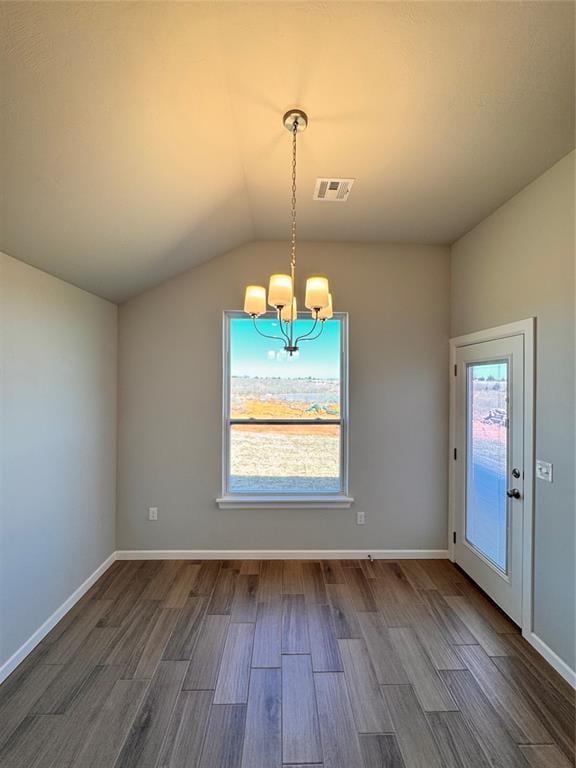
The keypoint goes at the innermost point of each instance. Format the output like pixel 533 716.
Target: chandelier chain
pixel 293 253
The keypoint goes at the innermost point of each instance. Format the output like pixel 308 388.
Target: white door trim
pixel 525 328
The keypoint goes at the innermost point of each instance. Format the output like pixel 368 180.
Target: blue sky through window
pixel 252 355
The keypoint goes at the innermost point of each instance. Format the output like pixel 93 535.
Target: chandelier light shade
pixel 316 293
pixel 255 300
pixel 318 298
pixel 280 290
pixel 326 312
pixel 289 312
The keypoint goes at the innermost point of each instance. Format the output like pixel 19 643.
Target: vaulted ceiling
pixel 142 138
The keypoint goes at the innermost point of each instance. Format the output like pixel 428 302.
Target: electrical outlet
pixel 152 513
pixel 360 518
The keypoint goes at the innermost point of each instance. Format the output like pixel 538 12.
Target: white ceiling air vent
pixel 332 190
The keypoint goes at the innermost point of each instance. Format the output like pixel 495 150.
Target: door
pixel 489 467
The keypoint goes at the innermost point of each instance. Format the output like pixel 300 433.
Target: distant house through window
pixel 285 428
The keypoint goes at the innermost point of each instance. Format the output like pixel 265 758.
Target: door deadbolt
pixel 516 473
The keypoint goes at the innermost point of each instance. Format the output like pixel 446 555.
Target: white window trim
pixel 269 500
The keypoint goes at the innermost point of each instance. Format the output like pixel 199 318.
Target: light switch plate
pixel 544 470
pixel 152 513
pixel 360 518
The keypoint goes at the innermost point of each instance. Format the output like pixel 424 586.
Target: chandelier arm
pixel 313 338
pixel 310 332
pixel 266 335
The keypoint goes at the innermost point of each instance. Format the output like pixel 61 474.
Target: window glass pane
pixel 290 458
pixel 487 466
pixel 266 383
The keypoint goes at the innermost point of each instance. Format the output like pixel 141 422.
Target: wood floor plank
pixel 82 717
pixel 59 695
pixel 144 741
pixel 313 580
pixel 206 578
pixel 181 644
pixel 223 594
pixel 244 604
pixel 300 731
pixel 557 714
pixel 33 743
pixel 292 580
pixel 224 737
pixel 434 640
pixel 428 685
pixel 521 720
pixel 160 583
pixel 454 628
pixel 417 574
pixel 489 611
pixel 262 733
pixel 250 568
pixel 63 649
pixel 545 756
pixel 270 582
pixel 394 595
pixel 359 589
pixel 203 669
pixel 179 591
pixel 333 572
pixel 294 625
pixel 19 702
pixel 130 576
pixel 234 674
pixel 323 643
pixel 444 575
pixel 345 618
pixel 114 721
pixel 127 646
pixel 132 591
pixel 144 665
pixel 458 747
pixel 412 730
pixel 381 751
pixel 479 628
pixel 518 646
pixel 484 722
pixel 268 635
pixel 339 739
pixel 368 706
pixel 116 572
pixel 385 660
pixel 182 746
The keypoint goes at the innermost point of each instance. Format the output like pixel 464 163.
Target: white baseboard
pixel 552 658
pixel 18 656
pixel 281 554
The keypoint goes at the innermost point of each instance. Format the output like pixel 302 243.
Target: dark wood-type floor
pixel 256 664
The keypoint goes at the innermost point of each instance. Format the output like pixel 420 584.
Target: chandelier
pixel 318 298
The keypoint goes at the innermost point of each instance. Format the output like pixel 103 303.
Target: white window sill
pixel 337 501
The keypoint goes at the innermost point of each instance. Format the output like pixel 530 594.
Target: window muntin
pixel 284 419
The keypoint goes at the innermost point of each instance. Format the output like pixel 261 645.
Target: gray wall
pixel 170 403
pixel 57 449
pixel 519 263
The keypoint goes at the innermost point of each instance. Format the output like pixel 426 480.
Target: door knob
pixel 513 493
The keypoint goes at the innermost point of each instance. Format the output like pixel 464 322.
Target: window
pixel 285 418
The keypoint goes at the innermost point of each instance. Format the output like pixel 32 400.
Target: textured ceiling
pixel 141 138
